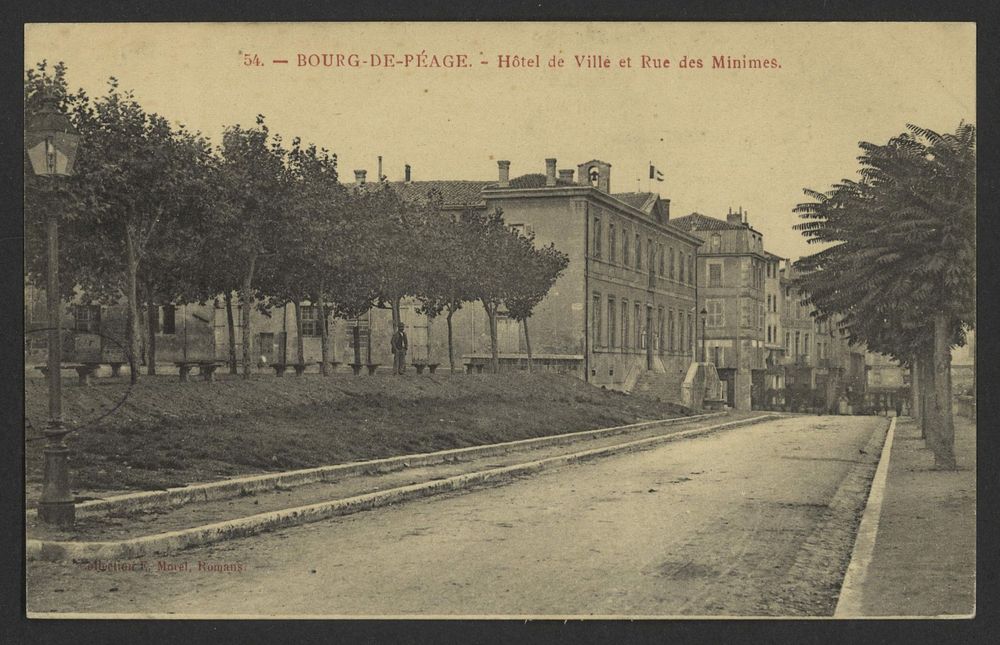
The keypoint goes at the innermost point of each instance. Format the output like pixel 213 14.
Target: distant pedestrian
pixel 399 347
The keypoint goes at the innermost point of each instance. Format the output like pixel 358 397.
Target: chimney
pixel 380 168
pixel 735 218
pixel 359 177
pixel 550 172
pixel 406 173
pixel 665 207
pixel 566 175
pixel 504 173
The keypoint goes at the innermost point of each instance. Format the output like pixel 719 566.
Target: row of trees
pixel 901 268
pixel 155 215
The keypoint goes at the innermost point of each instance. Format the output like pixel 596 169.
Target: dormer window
pixel 594 174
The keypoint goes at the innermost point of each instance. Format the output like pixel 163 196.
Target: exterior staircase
pixel 658 385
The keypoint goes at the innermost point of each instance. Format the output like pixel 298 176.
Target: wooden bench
pixel 279 368
pixel 207 369
pixel 83 371
pixel 356 368
pixel 116 368
pixel 479 367
pixel 184 368
pixel 333 365
pixel 420 367
pixel 372 367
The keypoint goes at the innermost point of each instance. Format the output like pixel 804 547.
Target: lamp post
pixel 51 142
pixel 704 318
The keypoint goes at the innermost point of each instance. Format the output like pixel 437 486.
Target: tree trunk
pixel 915 393
pixel 944 452
pixel 132 261
pixel 357 341
pixel 300 350
pixel 527 345
pixel 491 314
pixel 152 317
pixel 324 334
pixel 926 396
pixel 245 298
pixel 451 345
pixel 231 330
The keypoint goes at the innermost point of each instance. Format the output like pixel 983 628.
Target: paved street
pixel 757 520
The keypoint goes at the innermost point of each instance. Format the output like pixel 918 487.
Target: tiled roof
pixel 536 180
pixel 699 222
pixel 453 192
pixel 640 201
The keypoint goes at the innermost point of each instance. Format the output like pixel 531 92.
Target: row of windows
pixel 87 319
pixel 656 260
pixel 672 330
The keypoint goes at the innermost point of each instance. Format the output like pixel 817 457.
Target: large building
pixel 731 292
pixel 820 364
pixel 622 314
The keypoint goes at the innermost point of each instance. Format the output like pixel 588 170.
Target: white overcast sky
pixel 723 138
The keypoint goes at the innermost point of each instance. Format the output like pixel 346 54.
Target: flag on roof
pixel 654 173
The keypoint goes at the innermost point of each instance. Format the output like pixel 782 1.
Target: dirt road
pixel 757 520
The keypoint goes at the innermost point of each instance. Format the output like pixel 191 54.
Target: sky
pixel 723 138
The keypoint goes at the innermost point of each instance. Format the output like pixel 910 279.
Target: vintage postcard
pixel 537 320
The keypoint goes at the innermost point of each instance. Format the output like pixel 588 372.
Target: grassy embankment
pixel 166 433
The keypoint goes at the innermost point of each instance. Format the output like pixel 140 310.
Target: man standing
pixel 399 347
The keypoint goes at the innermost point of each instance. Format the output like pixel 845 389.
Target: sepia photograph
pixel 534 320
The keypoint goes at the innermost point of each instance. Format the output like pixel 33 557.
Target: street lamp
pixel 704 318
pixel 51 142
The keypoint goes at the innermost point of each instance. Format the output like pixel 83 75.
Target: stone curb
pixel 849 603
pixel 186 538
pixel 229 488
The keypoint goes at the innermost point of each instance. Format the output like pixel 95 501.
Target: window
pixel 716 313
pixel 597 237
pixel 87 318
pixel 638 325
pixel 716 243
pixel 680 260
pixel 625 324
pixel 680 323
pixel 597 320
pixel 691 269
pixel 612 243
pixel 788 341
pixel 169 319
pixel 612 312
pixel 690 332
pixel 659 253
pixel 715 275
pixel 670 263
pixel 311 320
pixel 638 252
pixel 625 249
pixel 659 328
pixel 671 331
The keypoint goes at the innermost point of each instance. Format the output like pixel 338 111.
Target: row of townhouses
pixel 643 297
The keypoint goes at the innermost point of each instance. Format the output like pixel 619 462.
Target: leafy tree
pixel 901 265
pixel 131 182
pixel 498 255
pixel 537 271
pixel 254 165
pixel 449 265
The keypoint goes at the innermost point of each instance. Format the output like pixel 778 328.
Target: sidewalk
pixel 924 560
